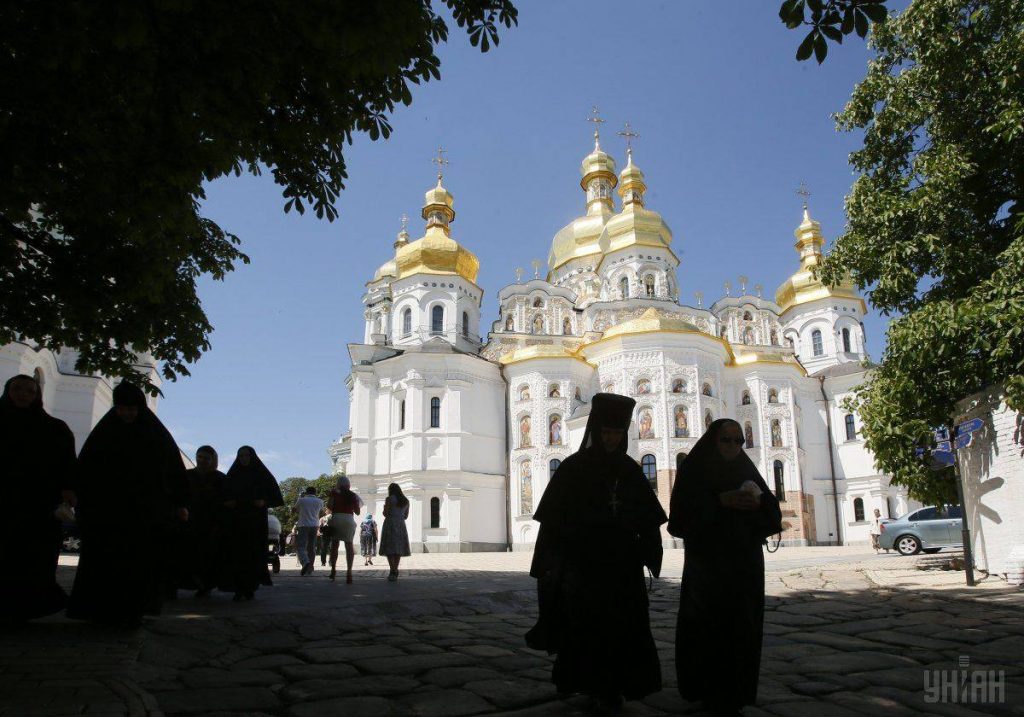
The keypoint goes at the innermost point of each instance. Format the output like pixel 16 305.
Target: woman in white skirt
pixel 344 506
pixel 394 538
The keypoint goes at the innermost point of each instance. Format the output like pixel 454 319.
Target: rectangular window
pixel 851 429
pixel 401 415
pixel 435 412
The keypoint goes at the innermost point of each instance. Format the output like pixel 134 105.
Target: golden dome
pixel 635 225
pixel 438 195
pixel 631 183
pixel 579 237
pixel 543 351
pixel 436 252
pixel 650 321
pixel 386 269
pixel 597 164
pixel 803 287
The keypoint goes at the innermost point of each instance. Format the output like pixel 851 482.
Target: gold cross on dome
pixel 630 135
pixel 595 117
pixel 440 161
pixel 804 192
pixel 405 221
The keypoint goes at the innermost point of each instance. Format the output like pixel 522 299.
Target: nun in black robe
pixel 721 602
pixel 132 492
pixel 37 455
pixel 199 561
pixel 599 526
pixel 249 490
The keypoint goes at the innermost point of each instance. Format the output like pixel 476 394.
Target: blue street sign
pixel 943 446
pixel 975 424
pixel 941 459
pixel 941 434
pixel 963 440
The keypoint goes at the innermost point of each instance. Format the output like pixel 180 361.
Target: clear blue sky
pixel 730 124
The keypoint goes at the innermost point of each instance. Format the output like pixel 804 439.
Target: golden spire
pixel 598 170
pixel 440 161
pixel 438 206
pixel 595 117
pixel 631 179
pixel 403 235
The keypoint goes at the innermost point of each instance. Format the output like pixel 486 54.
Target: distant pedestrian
pixel 394 537
pixel 202 546
pixel 323 537
pixel 876 531
pixel 368 538
pixel 37 454
pixel 723 510
pixel 309 508
pixel 249 490
pixel 132 491
pixel 344 506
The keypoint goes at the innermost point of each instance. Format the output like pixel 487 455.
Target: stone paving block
pixel 266 662
pixel 272 640
pixel 214 677
pixel 230 698
pixel 831 639
pixel 411 664
pixel 903 678
pixel 446 703
pixel 900 638
pixel 873 703
pixel 349 654
pixel 811 708
pixel 509 693
pixel 843 663
pixel 335 671
pixel 456 676
pixel 815 688
pixel 319 689
pixel 482 650
pixel 370 706
pixel 793 651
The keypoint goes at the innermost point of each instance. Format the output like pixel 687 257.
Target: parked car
pixel 926 530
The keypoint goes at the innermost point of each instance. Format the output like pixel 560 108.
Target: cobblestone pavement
pixel 847 632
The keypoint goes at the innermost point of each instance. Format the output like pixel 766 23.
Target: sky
pixel 729 122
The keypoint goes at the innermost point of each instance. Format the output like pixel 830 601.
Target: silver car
pixel 924 530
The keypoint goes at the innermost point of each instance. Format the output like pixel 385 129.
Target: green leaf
pixel 820 48
pixel 877 12
pixel 807 46
pixel 861 21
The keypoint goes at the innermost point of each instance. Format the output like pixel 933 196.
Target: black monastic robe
pixel 599 526
pixel 721 602
pixel 245 526
pixel 199 560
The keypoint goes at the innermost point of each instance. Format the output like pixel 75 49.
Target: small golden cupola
pixel 579 237
pixel 803 286
pixel 436 252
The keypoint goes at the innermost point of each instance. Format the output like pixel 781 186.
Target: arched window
pixel 435 512
pixel 708 420
pixel 650 466
pixel 776 433
pixel 649 285
pixel 851 428
pixel 778 468
pixel 748 336
pixel 747 316
pixel 465 325
pixel 846 341
pixel 623 288
pixel 435 412
pixel 773 395
pixel 816 345
pixel 706 389
pixel 437 319
pixel 401 415
pixel 553 466
pixel 746 398
pixel 748 434
pixel 858 509
pixel 791 343
pixel 538 303
pixel 406 322
pixel 566 327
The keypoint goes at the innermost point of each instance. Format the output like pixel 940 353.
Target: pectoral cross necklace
pixel 614 500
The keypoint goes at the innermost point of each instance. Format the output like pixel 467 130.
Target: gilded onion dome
pixel 389 268
pixel 579 237
pixel 803 287
pixel 635 225
pixel 436 252
pixel 651 321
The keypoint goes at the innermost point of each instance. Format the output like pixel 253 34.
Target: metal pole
pixel 964 532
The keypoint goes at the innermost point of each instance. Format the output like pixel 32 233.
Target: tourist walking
pixel 368 538
pixel 723 510
pixel 309 508
pixel 201 552
pixel 250 488
pixel 394 538
pixel 599 527
pixel 37 452
pixel 323 538
pixel 876 531
pixel 344 506
pixel 132 491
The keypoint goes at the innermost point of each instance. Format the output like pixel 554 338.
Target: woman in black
pixel 249 490
pixel 599 527
pixel 722 509
pixel 200 559
pixel 37 455
pixel 131 493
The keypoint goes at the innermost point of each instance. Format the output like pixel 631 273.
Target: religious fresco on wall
pixel 555 430
pixel 682 429
pixel 525 489
pixel 748 434
pixel 524 393
pixel 645 420
pixel 776 434
pixel 746 398
pixel 538 325
pixel 706 389
pixel 643 387
pixel 524 432
pixel 708 420
pixel 554 391
pixel 678 385
pixel 508 323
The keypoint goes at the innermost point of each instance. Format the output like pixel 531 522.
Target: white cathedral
pixel 473 428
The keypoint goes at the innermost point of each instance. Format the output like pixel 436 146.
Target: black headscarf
pixel 254 481
pixel 608 410
pixel 704 474
pixel 6 402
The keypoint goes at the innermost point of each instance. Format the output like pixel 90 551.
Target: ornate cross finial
pixel 804 192
pixel 630 135
pixel 440 161
pixel 595 117
pixel 743 285
pixel 700 299
pixel 536 268
pixel 728 288
pixel 519 274
pixel 758 288
pixel 405 221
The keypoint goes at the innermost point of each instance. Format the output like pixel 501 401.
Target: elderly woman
pixel 344 506
pixel 368 538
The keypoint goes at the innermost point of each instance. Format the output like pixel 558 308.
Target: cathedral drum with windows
pixel 474 430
